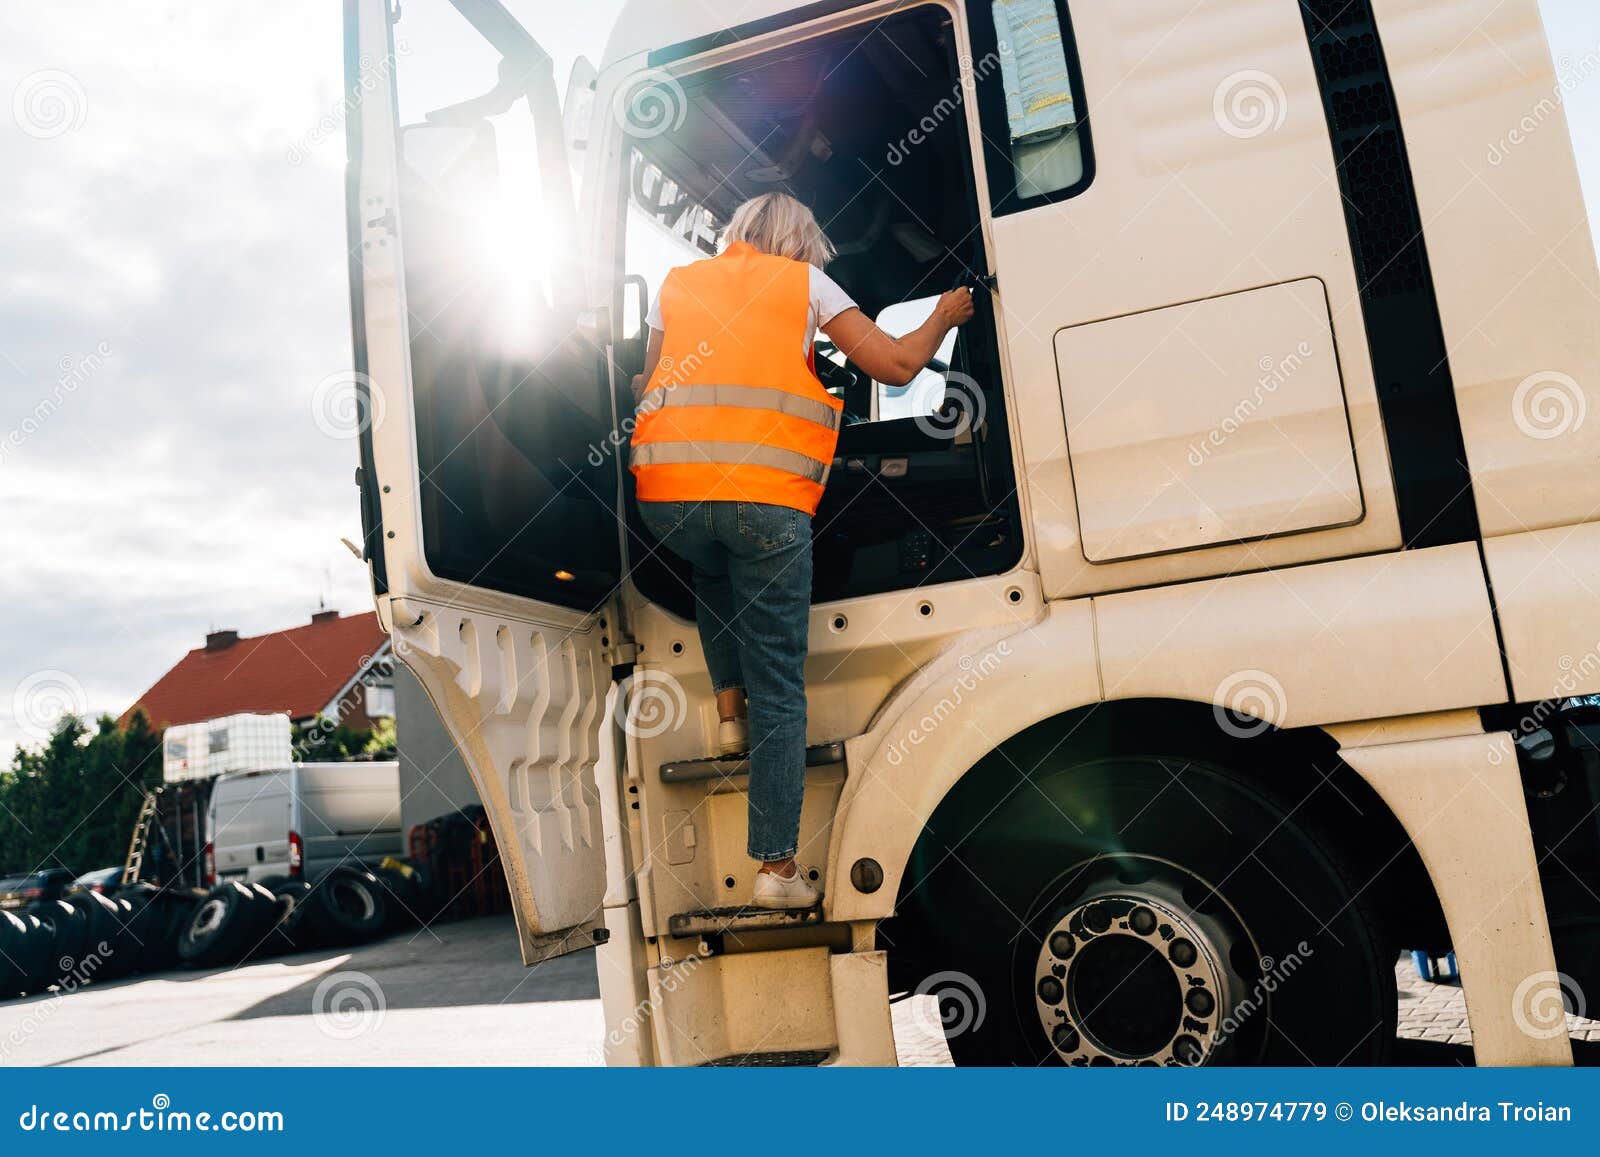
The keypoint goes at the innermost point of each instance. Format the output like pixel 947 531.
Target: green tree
pixel 71 802
pixel 325 740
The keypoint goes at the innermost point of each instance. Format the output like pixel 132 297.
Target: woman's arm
pixel 894 361
pixel 652 357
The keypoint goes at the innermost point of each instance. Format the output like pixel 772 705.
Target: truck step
pixel 796 1059
pixel 740 918
pixel 689 770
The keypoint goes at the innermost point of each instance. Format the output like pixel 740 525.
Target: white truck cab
pixel 1199 630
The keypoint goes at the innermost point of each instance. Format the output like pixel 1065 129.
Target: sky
pixel 173 309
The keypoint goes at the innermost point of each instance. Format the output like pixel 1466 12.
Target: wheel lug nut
pixel 1142 920
pixel 1187 1050
pixel 1062 945
pixel 1050 990
pixel 1200 1002
pixel 1065 1038
pixel 1183 953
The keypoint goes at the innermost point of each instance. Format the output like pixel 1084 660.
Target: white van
pixel 302 820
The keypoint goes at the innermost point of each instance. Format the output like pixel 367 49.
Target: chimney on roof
pixel 221 640
pixel 324 616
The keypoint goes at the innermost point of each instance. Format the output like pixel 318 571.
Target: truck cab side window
pixel 1031 103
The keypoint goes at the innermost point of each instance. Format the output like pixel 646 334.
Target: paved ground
pixel 458 995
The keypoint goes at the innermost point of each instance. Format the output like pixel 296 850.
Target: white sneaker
pixel 733 736
pixel 775 891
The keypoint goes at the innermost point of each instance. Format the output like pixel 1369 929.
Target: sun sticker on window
pixel 1033 66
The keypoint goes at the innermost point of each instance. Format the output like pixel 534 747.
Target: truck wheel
pixel 224 926
pixel 1148 911
pixel 127 947
pixel 349 906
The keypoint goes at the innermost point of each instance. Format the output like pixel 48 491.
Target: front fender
pixel 986 687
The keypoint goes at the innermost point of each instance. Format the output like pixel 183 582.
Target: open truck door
pixel 488 472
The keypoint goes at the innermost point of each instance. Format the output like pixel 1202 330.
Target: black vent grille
pixel 1415 392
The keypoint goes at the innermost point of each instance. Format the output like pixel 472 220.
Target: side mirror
pixel 577 109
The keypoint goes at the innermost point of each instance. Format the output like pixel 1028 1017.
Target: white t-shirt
pixel 828 301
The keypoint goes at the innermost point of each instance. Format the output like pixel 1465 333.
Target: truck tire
pixel 402 896
pixel 127 946
pixel 69 926
pixel 1138 914
pixel 37 958
pixel 292 931
pixel 224 926
pixel 13 971
pixel 348 906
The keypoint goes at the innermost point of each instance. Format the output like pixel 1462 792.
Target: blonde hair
pixel 780 226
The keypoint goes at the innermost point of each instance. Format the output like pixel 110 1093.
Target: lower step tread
pixel 710 921
pixel 794 1059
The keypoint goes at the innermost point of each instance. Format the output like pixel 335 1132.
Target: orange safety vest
pixel 734 411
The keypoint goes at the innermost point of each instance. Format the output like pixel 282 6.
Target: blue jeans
pixel 752 593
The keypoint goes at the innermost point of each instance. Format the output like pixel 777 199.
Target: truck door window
pixel 1031 103
pixel 924 394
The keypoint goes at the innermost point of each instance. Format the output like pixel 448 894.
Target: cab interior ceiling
pixel 829 121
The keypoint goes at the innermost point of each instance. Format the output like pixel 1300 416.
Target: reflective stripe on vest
pixel 745 397
pixel 730 454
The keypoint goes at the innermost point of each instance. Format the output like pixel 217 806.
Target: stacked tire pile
pixel 89 937
pixel 93 938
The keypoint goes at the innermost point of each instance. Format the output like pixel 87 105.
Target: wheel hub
pixel 209 917
pixel 1130 974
